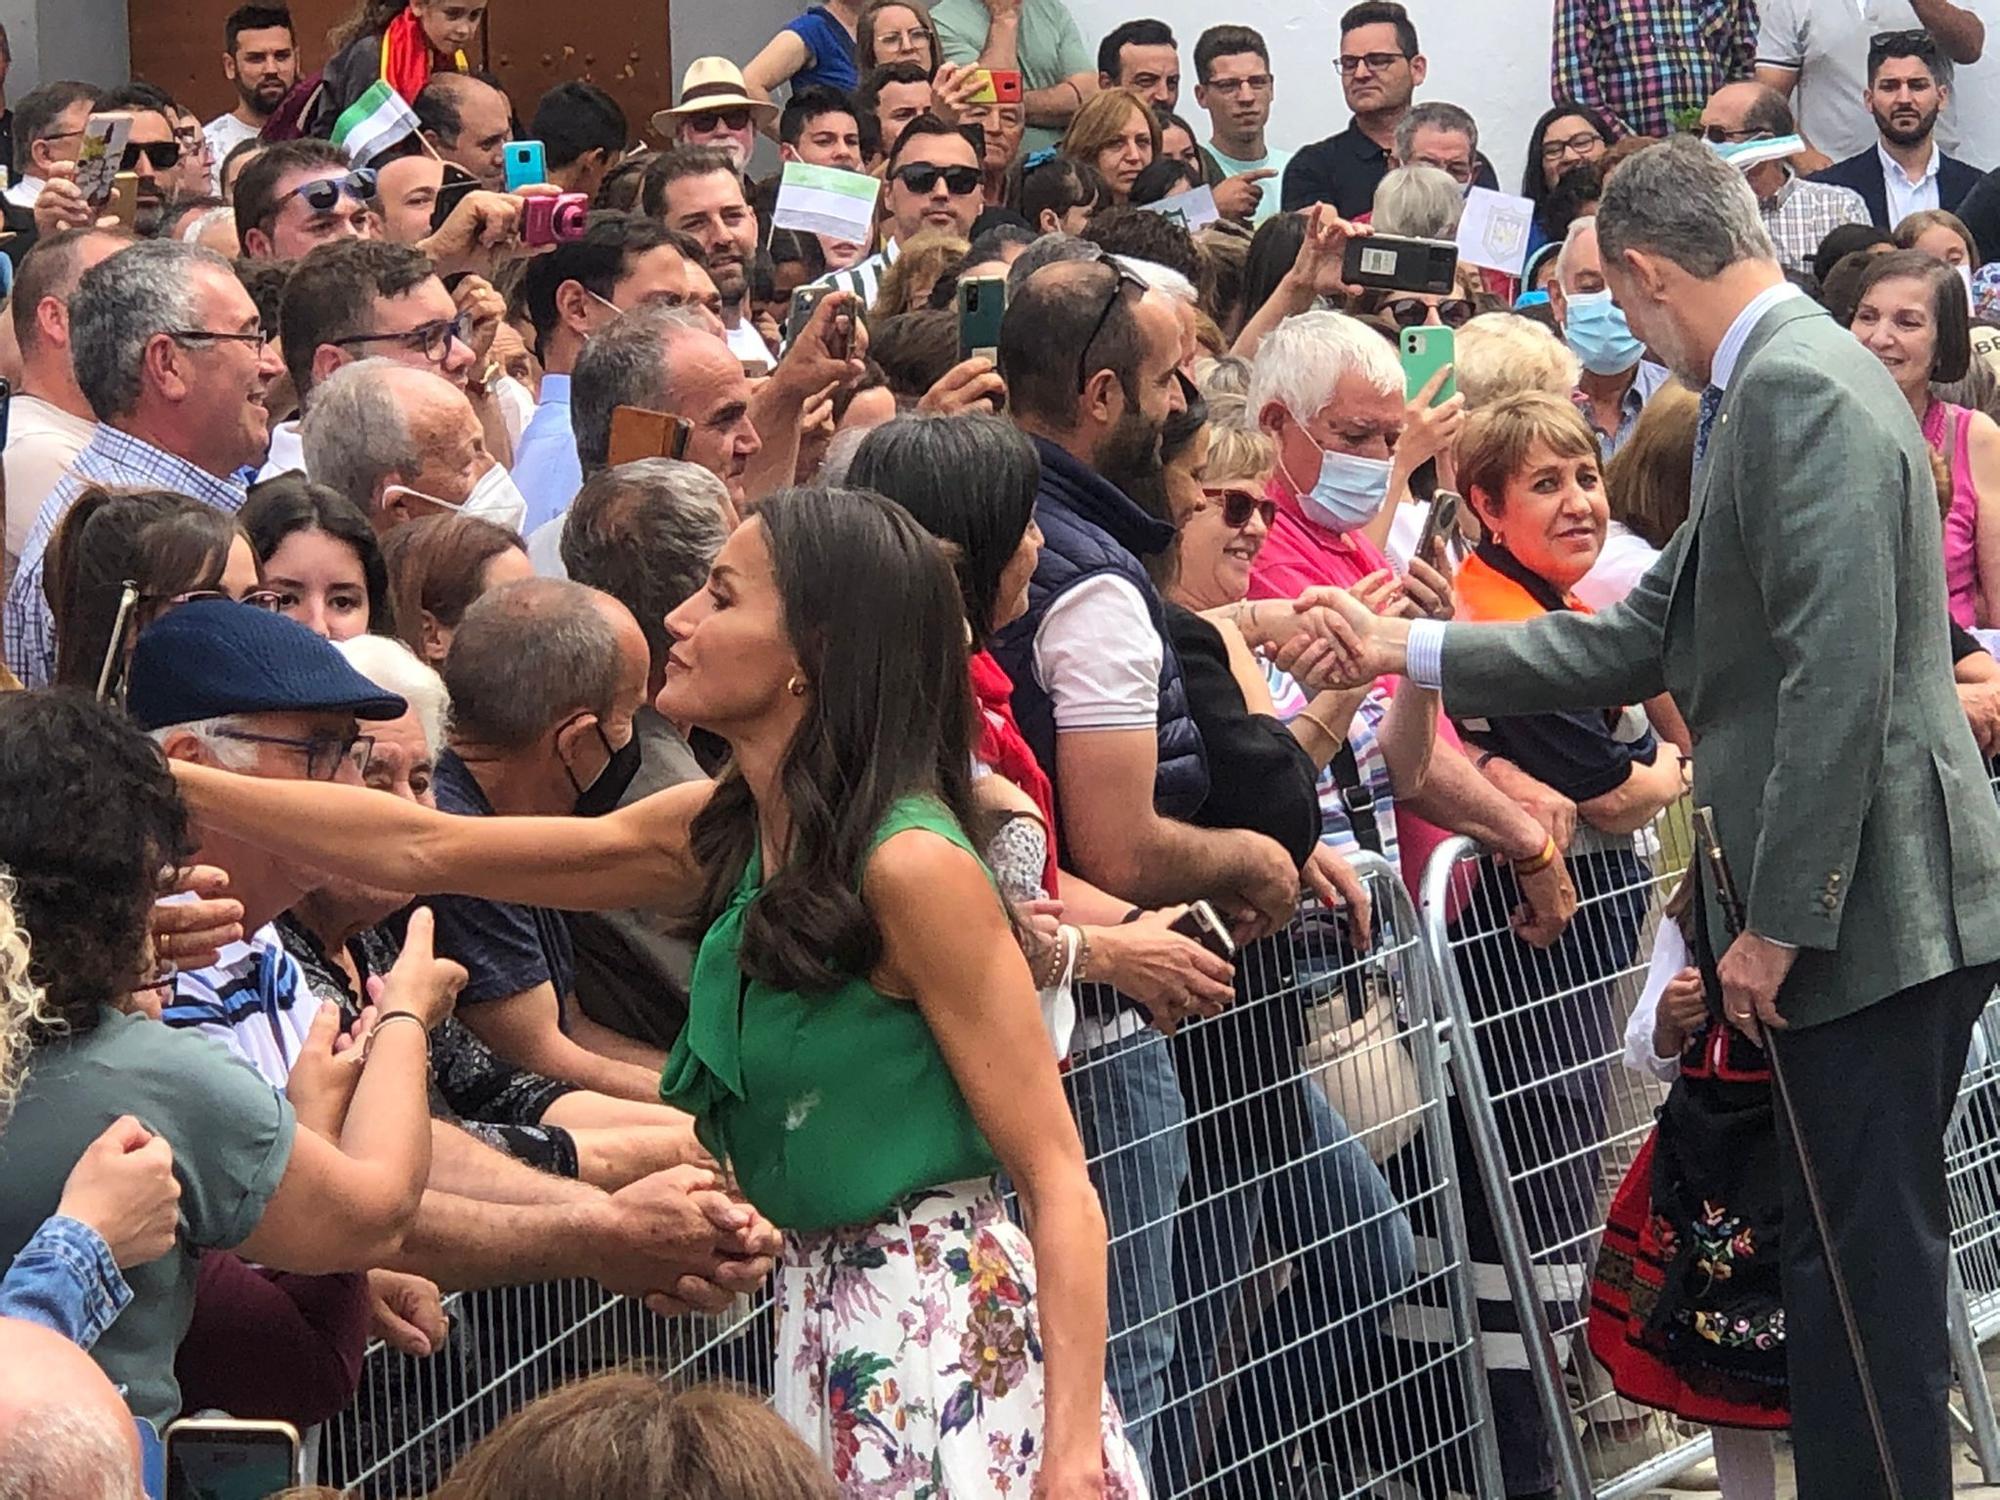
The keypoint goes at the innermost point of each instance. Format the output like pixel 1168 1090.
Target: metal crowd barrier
pixel 1292 1299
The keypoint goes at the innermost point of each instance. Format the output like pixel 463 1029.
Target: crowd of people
pixel 757 762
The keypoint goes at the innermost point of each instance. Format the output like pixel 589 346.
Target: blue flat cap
pixel 210 658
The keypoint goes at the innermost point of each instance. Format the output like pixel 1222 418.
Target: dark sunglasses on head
pixel 728 119
pixel 1414 312
pixel 1721 135
pixel 322 194
pixel 1238 506
pixel 922 177
pixel 164 155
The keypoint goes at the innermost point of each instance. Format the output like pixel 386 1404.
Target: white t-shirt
pixel 748 345
pixel 1624 561
pixel 224 133
pixel 1098 657
pixel 1272 160
pixel 42 442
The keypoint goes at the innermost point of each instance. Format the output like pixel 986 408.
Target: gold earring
pixel 796 686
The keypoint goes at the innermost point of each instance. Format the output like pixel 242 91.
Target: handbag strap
pixel 1356 798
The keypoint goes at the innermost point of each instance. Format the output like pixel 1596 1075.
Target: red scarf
pixel 409 59
pixel 1003 750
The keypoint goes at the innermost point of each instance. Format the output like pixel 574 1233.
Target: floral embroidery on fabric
pixel 1721 1239
pixel 910 1356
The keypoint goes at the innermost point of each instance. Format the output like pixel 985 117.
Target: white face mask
pixel 494 497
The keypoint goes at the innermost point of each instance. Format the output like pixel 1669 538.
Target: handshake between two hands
pixel 1331 638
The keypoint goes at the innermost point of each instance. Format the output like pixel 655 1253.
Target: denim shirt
pixel 65 1279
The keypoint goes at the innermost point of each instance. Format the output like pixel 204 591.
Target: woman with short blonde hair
pixel 1503 354
pixel 1115 132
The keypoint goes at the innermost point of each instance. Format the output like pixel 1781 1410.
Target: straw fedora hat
pixel 710 83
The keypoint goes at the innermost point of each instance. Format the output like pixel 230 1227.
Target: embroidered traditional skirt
pixel 910 1353
pixel 1685 1309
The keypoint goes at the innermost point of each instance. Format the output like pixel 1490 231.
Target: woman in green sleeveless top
pixel 864 1044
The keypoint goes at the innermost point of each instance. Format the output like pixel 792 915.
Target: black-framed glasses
pixel 1414 312
pixel 1375 62
pixel 434 339
pixel 1238 506
pixel 163 155
pixel 325 753
pixel 1581 145
pixel 257 338
pixel 1125 279
pixel 1718 135
pixel 922 177
pixel 728 119
pixel 323 194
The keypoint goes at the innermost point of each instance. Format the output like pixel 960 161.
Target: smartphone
pixel 1425 352
pixel 451 192
pixel 983 91
pixel 123 203
pixel 1201 923
pixel 1394 264
pixel 982 302
pixel 1441 520
pixel 637 433
pixel 527 164
pixel 805 302
pixel 1006 85
pixel 219 1458
pixel 99 157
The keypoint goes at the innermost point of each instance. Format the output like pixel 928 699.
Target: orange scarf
pixel 1489 592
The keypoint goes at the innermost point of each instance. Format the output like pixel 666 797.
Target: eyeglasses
pixel 269 600
pixel 727 119
pixel 1717 135
pixel 129 600
pixel 1414 312
pixel 1254 83
pixel 257 338
pixel 1585 143
pixel 323 194
pixel 1459 171
pixel 922 177
pixel 434 339
pixel 1375 62
pixel 163 155
pixel 1238 506
pixel 1125 279
pixel 896 41
pixel 325 753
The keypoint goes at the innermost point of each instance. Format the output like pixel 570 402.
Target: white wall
pixel 1490 56
pixel 55 39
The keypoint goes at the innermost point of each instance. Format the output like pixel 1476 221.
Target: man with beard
pixel 1089 356
pixel 1909 82
pixel 152 150
pixel 698 191
pixel 716 110
pixel 261 58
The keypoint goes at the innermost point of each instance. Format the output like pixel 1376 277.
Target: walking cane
pixel 1732 917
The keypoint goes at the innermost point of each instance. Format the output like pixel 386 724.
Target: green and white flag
pixel 826 200
pixel 373 123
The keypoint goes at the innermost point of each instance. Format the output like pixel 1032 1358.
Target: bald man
pixel 469 123
pixel 64 1432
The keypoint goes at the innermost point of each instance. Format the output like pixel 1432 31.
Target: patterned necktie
pixel 1711 403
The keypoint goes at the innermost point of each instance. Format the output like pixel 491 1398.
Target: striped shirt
pixel 1803 213
pixel 1336 825
pixel 111 458
pixel 254 1000
pixel 864 277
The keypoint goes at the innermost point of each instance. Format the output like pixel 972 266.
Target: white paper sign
pixel 826 200
pixel 1494 230
pixel 1195 209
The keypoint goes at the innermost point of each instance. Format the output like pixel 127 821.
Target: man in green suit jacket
pixel 1799 620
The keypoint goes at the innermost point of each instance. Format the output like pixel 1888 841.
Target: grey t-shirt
pixel 232 1136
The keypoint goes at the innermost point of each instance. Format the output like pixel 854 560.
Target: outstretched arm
pixel 636 856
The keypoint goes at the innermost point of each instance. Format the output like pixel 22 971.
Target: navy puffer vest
pixel 1091 527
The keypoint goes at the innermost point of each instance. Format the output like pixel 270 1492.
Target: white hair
pixel 206 220
pixel 1301 362
pixel 68 1452
pixel 1422 202
pixel 1566 257
pixel 394 667
pixel 1161 278
pixel 230 754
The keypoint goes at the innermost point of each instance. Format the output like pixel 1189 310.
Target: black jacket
pixel 1863 173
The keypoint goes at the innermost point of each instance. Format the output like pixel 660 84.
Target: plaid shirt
pixel 1642 61
pixel 113 459
pixel 1804 213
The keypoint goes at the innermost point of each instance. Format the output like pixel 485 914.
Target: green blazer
pixel 1799 620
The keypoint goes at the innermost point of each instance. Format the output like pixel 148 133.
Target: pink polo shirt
pixel 1298 555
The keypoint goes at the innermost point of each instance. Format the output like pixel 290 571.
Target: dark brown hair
pixel 437 563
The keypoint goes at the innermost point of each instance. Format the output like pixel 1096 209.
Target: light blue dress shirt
pixel 546 469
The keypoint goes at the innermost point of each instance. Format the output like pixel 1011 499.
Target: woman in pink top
pixel 1912 316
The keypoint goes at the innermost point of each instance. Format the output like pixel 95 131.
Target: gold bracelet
pixel 1541 861
pixel 1321 725
pixel 1081 970
pixel 390 1019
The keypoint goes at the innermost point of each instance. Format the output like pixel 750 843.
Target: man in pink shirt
pixel 1329 391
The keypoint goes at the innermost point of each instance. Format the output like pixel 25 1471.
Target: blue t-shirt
pixel 831 50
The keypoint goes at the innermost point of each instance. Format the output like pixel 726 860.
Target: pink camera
pixel 553 219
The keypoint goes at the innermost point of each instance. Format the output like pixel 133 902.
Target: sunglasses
pixel 726 119
pixel 1414 312
pixel 322 194
pixel 1718 135
pixel 922 177
pixel 1238 506
pixel 162 155
pixel 1125 279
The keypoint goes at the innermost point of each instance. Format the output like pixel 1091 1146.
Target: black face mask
pixel 611 783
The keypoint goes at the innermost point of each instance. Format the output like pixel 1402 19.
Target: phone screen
pixel 451 193
pixel 229 1464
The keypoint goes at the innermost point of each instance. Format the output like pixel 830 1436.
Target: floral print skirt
pixel 910 1353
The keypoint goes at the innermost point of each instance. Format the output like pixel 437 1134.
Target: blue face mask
pixel 1348 493
pixel 1596 329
